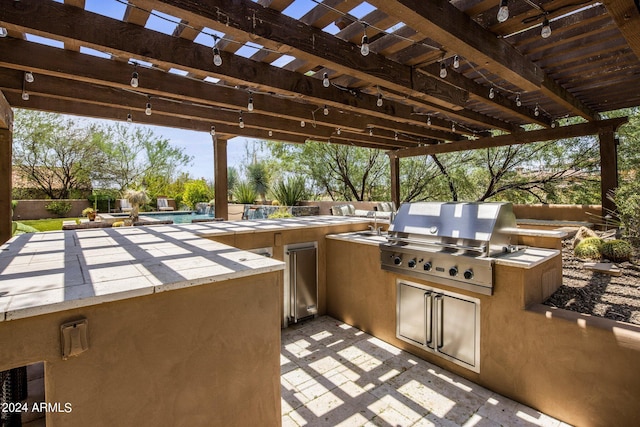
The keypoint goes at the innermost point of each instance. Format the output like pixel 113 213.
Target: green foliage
pixel 259 177
pixel 14 204
pixel 104 199
pixel 617 250
pixel 244 192
pixel 627 200
pixel 14 227
pixel 88 211
pixel 290 191
pixel 196 191
pixel 58 207
pixel 280 213
pixel 232 179
pixel 589 248
pixel 52 224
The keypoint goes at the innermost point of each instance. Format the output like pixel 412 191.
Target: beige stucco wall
pixel 36 209
pixel 579 369
pixel 206 355
pixel 583 213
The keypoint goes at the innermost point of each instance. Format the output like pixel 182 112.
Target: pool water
pixel 176 217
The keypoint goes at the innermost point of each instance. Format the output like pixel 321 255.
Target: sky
pixel 198 145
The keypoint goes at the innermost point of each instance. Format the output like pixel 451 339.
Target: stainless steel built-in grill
pixel 449 243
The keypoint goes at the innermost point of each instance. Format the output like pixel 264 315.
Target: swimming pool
pixel 180 217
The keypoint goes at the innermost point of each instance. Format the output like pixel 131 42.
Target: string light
pixel 25 95
pixel 3 32
pixel 536 112
pixel 371 132
pixel 270 133
pixel 456 62
pixel 302 123
pixel 396 136
pixel 428 120
pixel 325 80
pixel 443 70
pixel 338 131
pixel 129 118
pixel 134 79
pixel 453 127
pixel 147 110
pixel 240 121
pixel 364 48
pixel 217 59
pixel 379 102
pixel 503 11
pixel 492 93
pixel 325 110
pixel 546 28
pixel 213 131
pixel 518 100
pixel 28 76
pixel 250 105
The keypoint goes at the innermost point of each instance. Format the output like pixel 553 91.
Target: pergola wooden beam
pixel 6 140
pixel 626 15
pixel 459 34
pixel 562 132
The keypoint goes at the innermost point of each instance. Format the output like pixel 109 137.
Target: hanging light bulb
pixel 250 105
pixel 371 132
pixel 428 120
pixel 443 70
pixel 213 131
pixel 546 28
pixel 536 112
pixel 28 77
pixel 217 59
pixel 503 11
pixel 554 124
pixel 364 48
pixel 147 110
pixel 453 127
pixel 518 101
pixel 379 101
pixel 25 95
pixel 396 136
pixel 134 79
pixel 240 121
pixel 325 80
pixel 302 123
pixel 456 62
pixel 338 131
pixel 129 118
pixel 270 133
pixel 492 93
pixel 3 32
pixel 325 110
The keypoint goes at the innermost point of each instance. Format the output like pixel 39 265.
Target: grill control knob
pixel 412 263
pixel 453 271
pixel 397 260
pixel 468 274
pixel 427 266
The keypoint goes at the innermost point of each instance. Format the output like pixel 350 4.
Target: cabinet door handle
pixel 428 302
pixel 438 320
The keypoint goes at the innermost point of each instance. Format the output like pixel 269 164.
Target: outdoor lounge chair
pixel 125 206
pixel 163 204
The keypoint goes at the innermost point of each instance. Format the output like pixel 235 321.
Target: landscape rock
pixel 583 233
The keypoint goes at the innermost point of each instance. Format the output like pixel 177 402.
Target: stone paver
pixel 336 375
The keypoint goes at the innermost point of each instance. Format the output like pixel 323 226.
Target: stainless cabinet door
pixel 304 283
pixel 412 315
pixel 456 331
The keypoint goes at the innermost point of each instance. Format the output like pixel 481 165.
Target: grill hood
pixel 471 227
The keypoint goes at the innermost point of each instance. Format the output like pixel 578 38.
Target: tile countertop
pixel 55 271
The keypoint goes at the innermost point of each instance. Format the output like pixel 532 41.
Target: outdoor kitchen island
pixel 569 366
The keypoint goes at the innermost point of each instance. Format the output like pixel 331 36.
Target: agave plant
pixel 290 192
pixel 136 198
pixel 243 192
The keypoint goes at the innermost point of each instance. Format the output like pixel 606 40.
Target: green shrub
pixel 589 248
pixel 118 224
pixel 290 192
pixel 195 192
pixel 58 207
pixel 281 213
pixel 14 204
pixel 14 227
pixel 244 192
pixel 617 250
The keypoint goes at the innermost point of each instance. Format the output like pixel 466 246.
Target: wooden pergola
pixel 438 76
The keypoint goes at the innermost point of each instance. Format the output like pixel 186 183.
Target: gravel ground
pixel 598 294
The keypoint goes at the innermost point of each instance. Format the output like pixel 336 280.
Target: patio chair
pixel 163 204
pixel 125 206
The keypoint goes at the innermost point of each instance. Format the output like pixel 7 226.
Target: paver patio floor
pixel 333 374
